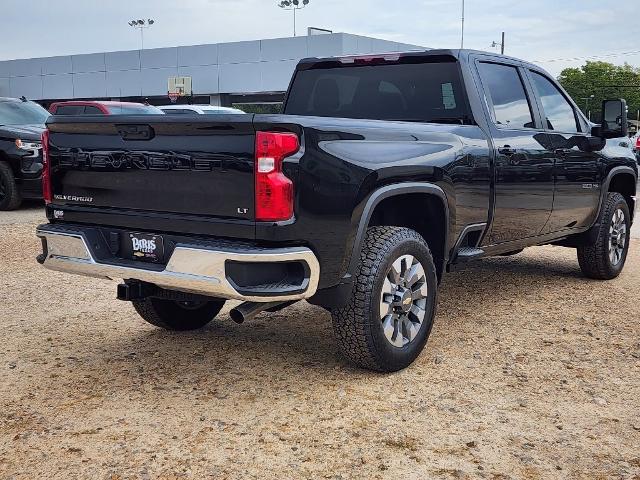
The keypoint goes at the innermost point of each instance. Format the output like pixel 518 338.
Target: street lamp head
pixel 151 21
pixel 140 22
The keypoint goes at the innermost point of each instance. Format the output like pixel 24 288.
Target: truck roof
pixel 395 56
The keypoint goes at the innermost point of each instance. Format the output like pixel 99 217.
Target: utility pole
pixel 494 44
pixel 462 33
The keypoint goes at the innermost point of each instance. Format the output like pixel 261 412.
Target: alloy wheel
pixel 403 301
pixel 617 237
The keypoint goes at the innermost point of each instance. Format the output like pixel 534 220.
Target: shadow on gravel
pixel 298 342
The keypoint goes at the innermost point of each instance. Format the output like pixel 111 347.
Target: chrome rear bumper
pixel 194 269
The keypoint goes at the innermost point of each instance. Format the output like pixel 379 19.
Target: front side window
pixel 558 111
pixel 504 86
pixel 91 110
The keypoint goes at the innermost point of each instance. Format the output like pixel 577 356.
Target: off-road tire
pixel 594 259
pixel 177 316
pixel 11 198
pixel 358 325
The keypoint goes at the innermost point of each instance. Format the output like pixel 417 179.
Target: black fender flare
pixel 393 190
pixel 604 188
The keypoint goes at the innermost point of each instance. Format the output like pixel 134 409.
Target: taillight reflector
pixel 47 191
pixel 274 191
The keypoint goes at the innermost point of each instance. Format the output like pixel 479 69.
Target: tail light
pixel 47 191
pixel 274 191
pixel 638 143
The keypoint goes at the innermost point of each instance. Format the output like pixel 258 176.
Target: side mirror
pixel 614 119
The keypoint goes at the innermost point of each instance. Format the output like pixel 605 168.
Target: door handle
pixel 507 150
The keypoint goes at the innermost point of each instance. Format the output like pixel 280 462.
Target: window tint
pixel 70 110
pixel 134 110
pixel 504 85
pixel 91 110
pixel 22 113
pixel 418 92
pixel 559 112
pixel 178 111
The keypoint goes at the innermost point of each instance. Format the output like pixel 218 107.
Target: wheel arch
pixel 383 207
pixel 622 180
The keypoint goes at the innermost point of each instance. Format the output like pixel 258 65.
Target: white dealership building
pixel 256 71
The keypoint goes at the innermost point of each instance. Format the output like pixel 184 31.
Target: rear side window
pixel 558 111
pixel 418 92
pixel 504 86
pixel 70 110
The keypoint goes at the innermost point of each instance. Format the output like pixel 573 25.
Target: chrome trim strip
pixel 189 269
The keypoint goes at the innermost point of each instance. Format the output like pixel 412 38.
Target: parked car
pixel 21 124
pixel 81 107
pixel 198 110
pixel 383 173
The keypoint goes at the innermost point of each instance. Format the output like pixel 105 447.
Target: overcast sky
pixel 539 30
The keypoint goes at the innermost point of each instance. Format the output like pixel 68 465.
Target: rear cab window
pixel 430 91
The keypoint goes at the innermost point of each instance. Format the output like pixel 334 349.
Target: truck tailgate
pixel 152 163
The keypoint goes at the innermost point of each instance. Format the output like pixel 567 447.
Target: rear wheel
pixel 10 198
pixel 177 315
pixel 388 320
pixel 604 259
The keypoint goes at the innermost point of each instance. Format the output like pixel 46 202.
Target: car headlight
pixel 28 144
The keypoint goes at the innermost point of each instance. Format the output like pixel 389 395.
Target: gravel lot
pixel 531 372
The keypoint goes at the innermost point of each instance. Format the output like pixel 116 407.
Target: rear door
pixel 577 180
pixel 524 157
pixel 194 166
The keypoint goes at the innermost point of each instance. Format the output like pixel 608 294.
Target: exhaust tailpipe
pixel 248 310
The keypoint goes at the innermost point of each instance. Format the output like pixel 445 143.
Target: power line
pixel 604 55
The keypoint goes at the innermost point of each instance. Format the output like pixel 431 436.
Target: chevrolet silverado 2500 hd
pixel 382 173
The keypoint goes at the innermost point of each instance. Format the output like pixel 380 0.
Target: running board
pixel 468 253
pixel 463 256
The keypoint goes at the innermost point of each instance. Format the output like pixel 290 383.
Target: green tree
pixel 603 80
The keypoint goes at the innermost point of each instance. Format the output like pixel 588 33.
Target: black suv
pixel 21 125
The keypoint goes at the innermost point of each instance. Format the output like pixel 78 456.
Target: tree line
pixel 603 80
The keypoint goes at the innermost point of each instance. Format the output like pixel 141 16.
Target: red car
pixel 82 107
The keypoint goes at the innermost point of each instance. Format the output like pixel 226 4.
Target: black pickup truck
pixel 383 173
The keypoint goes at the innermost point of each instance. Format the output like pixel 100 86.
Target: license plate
pixel 146 247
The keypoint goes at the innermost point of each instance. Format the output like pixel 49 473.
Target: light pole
pixel 293 5
pixel 141 25
pixel 586 105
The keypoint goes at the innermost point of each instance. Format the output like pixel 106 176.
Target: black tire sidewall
pixel 12 199
pixel 621 204
pixel 390 357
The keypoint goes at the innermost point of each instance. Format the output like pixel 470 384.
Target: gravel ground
pixel 531 371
